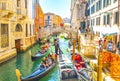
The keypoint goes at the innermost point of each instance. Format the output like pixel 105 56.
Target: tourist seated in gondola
pixel 50 60
pixel 42 50
pixel 46 49
pixel 47 63
pixel 43 65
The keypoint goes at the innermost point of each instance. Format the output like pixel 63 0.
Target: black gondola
pixel 39 55
pixel 39 73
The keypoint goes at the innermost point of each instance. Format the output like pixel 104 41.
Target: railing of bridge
pixel 44 32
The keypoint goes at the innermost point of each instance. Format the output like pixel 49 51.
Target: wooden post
pixel 99 70
pixel 78 43
pixel 73 55
pixel 71 38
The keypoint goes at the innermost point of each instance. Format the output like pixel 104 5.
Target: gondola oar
pixel 60 51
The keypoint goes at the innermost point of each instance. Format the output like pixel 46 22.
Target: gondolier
pixel 56 44
pixel 56 47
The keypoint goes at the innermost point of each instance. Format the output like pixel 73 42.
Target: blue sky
pixel 59 7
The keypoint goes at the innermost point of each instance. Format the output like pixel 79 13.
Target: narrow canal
pixel 26 66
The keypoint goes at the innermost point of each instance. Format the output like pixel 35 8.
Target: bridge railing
pixel 49 30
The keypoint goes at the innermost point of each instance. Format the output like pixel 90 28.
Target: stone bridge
pixel 44 32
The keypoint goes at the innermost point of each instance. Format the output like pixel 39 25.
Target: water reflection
pixel 26 66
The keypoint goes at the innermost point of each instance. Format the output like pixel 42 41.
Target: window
pixel 100 4
pixel 116 18
pixel 98 21
pixel 18 3
pixel 104 20
pixel 30 30
pixel 25 3
pixel 108 19
pixel 4 36
pixel 115 0
pixel 33 29
pixel 93 22
pixel 18 28
pixel 88 24
pixel 88 12
pixel 47 22
pixel 26 30
pixel 48 17
pixel 106 3
pixel 92 9
pixel 97 6
pixel 4 6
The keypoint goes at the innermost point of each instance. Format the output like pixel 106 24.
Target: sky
pixel 59 7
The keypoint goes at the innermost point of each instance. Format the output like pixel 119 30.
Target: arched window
pixel 18 28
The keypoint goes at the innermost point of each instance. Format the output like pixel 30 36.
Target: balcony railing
pixel 18 35
pixel 7 5
pixel 21 11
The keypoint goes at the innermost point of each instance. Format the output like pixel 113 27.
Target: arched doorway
pixel 18 29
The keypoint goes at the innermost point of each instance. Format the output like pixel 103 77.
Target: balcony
pixel 21 13
pixel 18 35
pixel 6 8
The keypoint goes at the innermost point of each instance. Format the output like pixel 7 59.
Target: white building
pixel 103 17
pixel 78 16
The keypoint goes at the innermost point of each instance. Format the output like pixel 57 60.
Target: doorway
pixel 17 45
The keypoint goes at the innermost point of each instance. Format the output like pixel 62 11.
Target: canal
pixel 26 66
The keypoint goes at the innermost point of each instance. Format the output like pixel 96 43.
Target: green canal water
pixel 26 66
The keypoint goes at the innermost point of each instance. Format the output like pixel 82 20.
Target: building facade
pixel 52 20
pixel 78 14
pixel 74 14
pixel 103 17
pixel 16 27
pixel 59 21
pixel 49 17
pixel 41 17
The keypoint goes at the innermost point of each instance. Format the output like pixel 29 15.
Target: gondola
pixel 66 68
pixel 39 55
pixel 37 74
pixel 84 73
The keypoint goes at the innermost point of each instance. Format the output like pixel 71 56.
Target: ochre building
pixel 17 30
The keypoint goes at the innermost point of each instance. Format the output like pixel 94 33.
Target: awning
pixel 114 30
pixel 107 30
